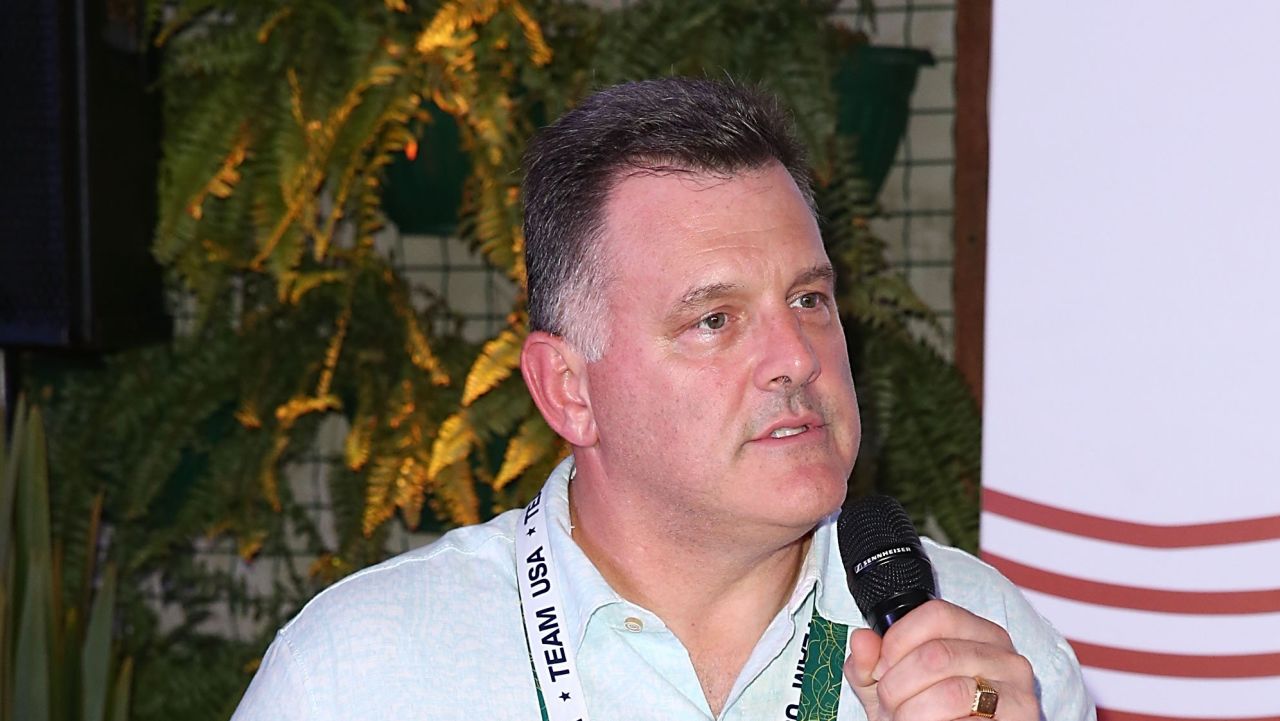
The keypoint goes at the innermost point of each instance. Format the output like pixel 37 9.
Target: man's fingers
pixel 864 653
pixel 934 620
pixel 953 698
pixel 939 665
pixel 926 664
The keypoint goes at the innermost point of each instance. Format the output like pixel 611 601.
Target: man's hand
pixel 924 668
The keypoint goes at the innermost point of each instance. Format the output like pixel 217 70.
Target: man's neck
pixel 716 595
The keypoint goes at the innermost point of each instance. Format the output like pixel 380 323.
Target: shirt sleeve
pixel 279 690
pixel 1063 695
pixel 1059 681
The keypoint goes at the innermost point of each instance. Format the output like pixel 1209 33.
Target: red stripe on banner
pixel 1153 663
pixel 1143 599
pixel 1129 532
pixel 1106 714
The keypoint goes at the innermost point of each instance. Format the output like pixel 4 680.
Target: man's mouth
pixel 788 431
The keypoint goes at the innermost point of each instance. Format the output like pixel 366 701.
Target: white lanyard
pixel 549 647
pixel 550 652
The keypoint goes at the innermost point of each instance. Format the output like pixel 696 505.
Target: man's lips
pixel 791 427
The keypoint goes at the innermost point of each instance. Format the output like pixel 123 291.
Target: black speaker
pixel 79 146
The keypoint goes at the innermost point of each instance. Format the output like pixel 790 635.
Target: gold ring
pixel 984 699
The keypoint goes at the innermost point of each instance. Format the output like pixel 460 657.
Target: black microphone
pixel 888 573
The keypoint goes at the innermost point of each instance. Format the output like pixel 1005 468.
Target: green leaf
pixel 9 484
pixel 120 695
pixel 31 663
pixel 4 647
pixel 95 660
pixel 33 489
pixel 32 655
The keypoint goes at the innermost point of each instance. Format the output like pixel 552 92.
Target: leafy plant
pixel 271 209
pixel 57 661
pixel 282 119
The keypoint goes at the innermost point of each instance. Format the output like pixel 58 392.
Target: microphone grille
pixel 870 526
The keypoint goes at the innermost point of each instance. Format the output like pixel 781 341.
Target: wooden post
pixel 972 80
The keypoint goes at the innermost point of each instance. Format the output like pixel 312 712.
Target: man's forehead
pixel 683 238
pixel 641 197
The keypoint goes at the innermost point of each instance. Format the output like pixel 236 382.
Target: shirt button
pixel 633 624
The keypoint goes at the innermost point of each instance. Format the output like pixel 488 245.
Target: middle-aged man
pixel 681 564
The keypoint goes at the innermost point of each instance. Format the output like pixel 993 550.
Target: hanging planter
pixel 424 184
pixel 873 103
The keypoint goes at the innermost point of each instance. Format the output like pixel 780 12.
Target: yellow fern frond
pixel 410 491
pixel 358 445
pixel 295 98
pixel 420 351
pixel 247 414
pixel 224 179
pixel 332 353
pixel 532 441
pixel 441 31
pixel 402 404
pixel 298 406
pixel 329 567
pixel 378 504
pixel 539 51
pixel 452 444
pixel 497 360
pixel 518 271
pixel 384 74
pixel 302 283
pixel 456 491
pixel 249 546
pixel 270 478
pixel 264 30
pixel 450 29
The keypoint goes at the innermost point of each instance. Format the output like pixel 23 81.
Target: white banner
pixel 1132 414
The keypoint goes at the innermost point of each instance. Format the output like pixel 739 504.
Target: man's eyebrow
pixel 698 296
pixel 821 272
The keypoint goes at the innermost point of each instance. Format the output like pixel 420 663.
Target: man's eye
pixel 808 300
pixel 715 321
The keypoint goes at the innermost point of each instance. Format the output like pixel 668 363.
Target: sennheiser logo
pixel 880 557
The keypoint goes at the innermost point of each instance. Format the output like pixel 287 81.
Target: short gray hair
pixel 572 166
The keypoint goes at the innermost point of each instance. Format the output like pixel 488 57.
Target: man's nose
pixel 787 356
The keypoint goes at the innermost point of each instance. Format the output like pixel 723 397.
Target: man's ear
pixel 555 373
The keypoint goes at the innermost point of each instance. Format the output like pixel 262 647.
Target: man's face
pixel 724 395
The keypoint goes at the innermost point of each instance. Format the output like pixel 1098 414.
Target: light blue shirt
pixel 436 633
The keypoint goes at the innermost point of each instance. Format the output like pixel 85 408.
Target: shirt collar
pixel 584 590
pixel 834 601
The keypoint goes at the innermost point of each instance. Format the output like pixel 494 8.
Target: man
pixel 681 564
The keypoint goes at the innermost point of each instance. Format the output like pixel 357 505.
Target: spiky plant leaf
pixel 33 663
pixel 9 459
pixel 452 444
pixel 33 660
pixel 95 656
pixel 533 441
pixel 121 692
pixel 497 360
pixel 455 493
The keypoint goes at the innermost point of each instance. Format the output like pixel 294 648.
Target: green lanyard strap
pixel 823 672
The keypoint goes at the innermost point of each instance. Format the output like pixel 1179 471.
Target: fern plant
pixel 282 119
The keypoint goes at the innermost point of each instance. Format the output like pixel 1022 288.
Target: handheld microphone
pixel 885 565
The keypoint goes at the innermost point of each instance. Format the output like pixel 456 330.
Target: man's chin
pixel 809 497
